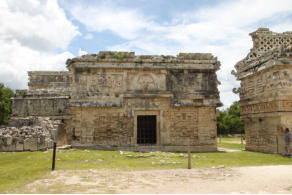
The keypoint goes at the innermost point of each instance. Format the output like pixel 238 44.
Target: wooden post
pixel 220 135
pixel 189 156
pixel 54 156
pixel 277 142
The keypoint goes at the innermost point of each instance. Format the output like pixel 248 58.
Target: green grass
pixel 231 143
pixel 18 169
pixel 231 146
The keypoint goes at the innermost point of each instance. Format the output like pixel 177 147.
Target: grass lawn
pixel 231 143
pixel 18 169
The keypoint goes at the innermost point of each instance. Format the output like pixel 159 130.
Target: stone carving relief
pixel 267 107
pixel 143 103
pixel 267 46
pixel 258 134
pixel 35 79
pixel 286 105
pixel 110 81
pixel 143 81
pixel 259 108
pixel 260 141
pixel 265 43
pixel 104 83
pixel 114 128
pixel 265 40
pixel 278 79
pixel 146 81
pixel 259 84
pixel 183 124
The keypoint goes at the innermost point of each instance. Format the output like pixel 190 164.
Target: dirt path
pixel 227 150
pixel 265 179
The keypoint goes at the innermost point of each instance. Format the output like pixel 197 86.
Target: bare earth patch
pixel 264 179
pixel 227 150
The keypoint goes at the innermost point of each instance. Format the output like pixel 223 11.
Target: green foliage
pixel 22 93
pixel 229 121
pixel 119 55
pixel 5 104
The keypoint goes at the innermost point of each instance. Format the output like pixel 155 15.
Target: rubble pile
pixel 38 136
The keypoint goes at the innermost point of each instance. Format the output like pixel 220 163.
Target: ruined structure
pixel 28 134
pixel 119 100
pixel 266 90
pixel 38 114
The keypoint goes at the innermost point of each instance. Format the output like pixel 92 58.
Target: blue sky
pixel 41 35
pixel 162 12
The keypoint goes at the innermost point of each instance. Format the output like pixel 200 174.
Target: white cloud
pixel 81 52
pixel 30 31
pixel 244 12
pixel 40 25
pixel 221 29
pixel 16 60
pixel 88 36
pixel 127 23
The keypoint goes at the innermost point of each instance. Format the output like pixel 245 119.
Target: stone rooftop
pixel 130 57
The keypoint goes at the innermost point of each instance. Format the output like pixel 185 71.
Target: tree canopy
pixel 5 104
pixel 229 121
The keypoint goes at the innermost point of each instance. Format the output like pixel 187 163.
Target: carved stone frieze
pixel 266 89
pixel 265 82
pixel 143 103
pixel 259 108
pixel 110 97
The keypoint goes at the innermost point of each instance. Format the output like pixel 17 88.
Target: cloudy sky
pixel 42 34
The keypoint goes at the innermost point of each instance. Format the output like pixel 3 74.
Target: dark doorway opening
pixel 146 126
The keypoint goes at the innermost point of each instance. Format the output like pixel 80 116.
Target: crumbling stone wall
pixel 47 95
pixel 37 112
pixel 49 80
pixel 266 90
pixel 28 134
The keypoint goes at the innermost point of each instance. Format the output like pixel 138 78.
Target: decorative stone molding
pixel 102 96
pixel 266 90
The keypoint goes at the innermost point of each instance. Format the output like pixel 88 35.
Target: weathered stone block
pixel 30 144
pixel 8 148
pixel 19 147
pixel 42 143
pixel 8 140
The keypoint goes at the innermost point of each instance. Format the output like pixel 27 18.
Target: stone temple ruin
pixel 266 90
pixel 119 100
pixel 38 114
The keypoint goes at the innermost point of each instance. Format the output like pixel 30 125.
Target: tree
pixel 234 109
pixel 229 121
pixel 5 104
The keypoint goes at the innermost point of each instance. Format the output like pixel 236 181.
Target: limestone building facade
pixel 119 100
pixel 266 90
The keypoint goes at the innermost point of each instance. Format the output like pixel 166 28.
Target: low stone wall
pixel 17 136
